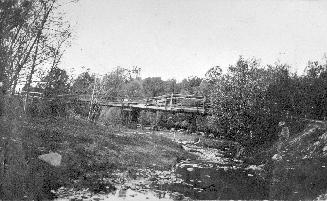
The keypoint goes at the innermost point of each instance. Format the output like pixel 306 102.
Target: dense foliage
pixel 247 101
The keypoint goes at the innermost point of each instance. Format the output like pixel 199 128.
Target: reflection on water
pixel 202 180
pixel 128 194
pixel 212 181
pixel 191 180
pixel 221 180
pixel 300 180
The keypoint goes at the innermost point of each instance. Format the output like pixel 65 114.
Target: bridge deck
pixel 170 103
pixel 143 106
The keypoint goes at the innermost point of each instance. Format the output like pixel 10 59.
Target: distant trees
pixel 56 82
pixel 153 86
pixel 171 86
pixel 133 90
pixel 121 83
pixel 83 84
pixel 247 101
pixel 191 85
pixel 113 83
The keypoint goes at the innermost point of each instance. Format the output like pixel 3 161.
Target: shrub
pixel 81 108
pixel 147 118
pixel 111 116
pixel 43 108
pixel 202 123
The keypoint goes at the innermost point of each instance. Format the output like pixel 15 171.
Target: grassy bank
pixel 92 152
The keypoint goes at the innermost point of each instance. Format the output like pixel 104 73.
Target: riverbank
pixel 111 163
pixel 93 153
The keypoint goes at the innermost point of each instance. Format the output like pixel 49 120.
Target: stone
pixel 324 149
pixel 277 157
pixel 190 169
pixel 52 158
pixel 323 137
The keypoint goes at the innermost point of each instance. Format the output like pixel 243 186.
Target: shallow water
pixel 215 177
pixel 210 177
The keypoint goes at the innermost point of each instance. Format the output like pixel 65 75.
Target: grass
pixel 93 152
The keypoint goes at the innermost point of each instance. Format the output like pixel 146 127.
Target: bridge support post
pixel 192 125
pixel 129 121
pixel 122 115
pixel 157 120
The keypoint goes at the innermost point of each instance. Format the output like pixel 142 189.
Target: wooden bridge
pixel 171 103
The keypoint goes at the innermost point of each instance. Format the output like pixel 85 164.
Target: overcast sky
pixel 180 38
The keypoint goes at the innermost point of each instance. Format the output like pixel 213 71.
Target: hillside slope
pixel 301 171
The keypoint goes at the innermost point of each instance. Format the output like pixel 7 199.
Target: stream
pixel 211 176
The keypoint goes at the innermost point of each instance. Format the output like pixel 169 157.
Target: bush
pixel 81 108
pixel 147 118
pixel 171 119
pixel 111 116
pixel 44 108
pixel 201 123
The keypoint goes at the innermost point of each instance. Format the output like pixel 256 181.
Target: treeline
pixel 123 83
pixel 248 100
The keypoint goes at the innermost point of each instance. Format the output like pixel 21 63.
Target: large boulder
pixel 52 158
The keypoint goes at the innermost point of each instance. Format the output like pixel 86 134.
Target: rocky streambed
pixel 210 176
pixel 100 163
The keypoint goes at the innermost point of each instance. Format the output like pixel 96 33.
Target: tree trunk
pixel 30 76
pixel 39 32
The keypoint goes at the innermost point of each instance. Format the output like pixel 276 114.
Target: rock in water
pixel 277 157
pixel 52 158
pixel 190 169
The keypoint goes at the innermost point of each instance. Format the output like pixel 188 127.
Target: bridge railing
pixel 168 101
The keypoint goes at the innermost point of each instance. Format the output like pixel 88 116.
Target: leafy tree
pixel 171 86
pixel 191 84
pixel 213 74
pixel 238 101
pixel 134 73
pixel 133 90
pixel 153 86
pixel 207 85
pixel 112 84
pixel 310 99
pixel 82 84
pixel 55 83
